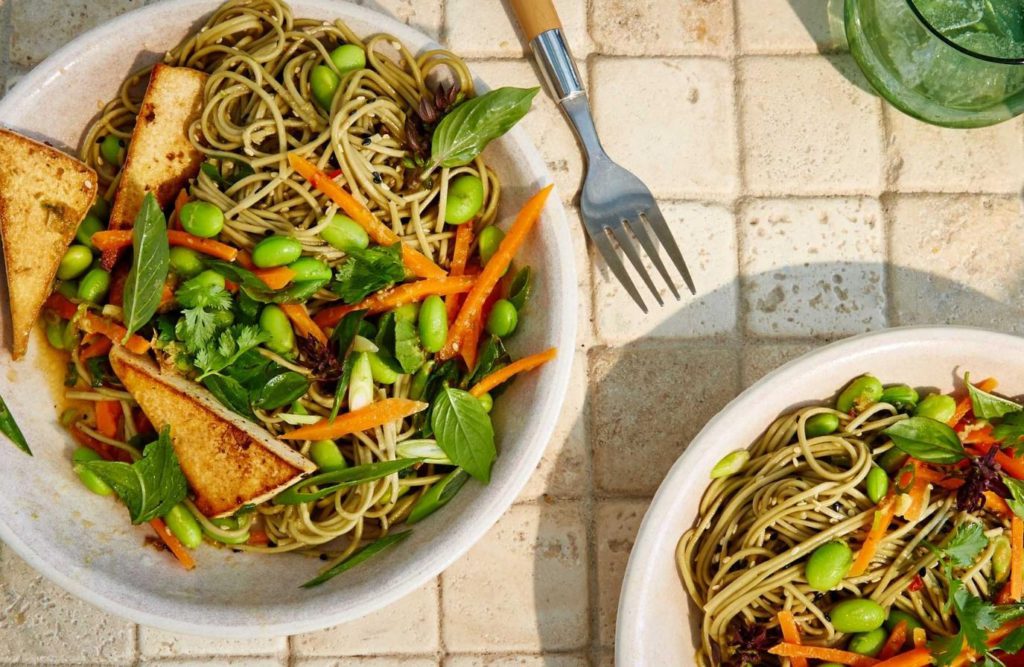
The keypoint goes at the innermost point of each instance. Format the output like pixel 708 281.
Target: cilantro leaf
pixel 1014 642
pixel 967 542
pixel 986 405
pixel 368 271
pixel 946 649
pixel 1011 431
pixel 196 328
pixel 977 618
pixel 199 295
pixel 231 344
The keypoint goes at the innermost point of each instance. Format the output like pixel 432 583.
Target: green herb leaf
pixel 946 649
pixel 463 430
pixel 492 357
pixel 986 405
pixel 441 376
pixel 344 335
pixel 257 290
pixel 368 271
pixel 521 289
pixel 151 486
pixel 1011 431
pixel 437 496
pixel 227 348
pixel 231 394
pixel 281 390
pixel 1014 642
pixel 967 542
pixel 408 351
pixel 150 264
pixel 927 440
pixel 238 171
pixel 1016 488
pixel 977 618
pixel 203 295
pixel 464 133
pixel 358 557
pixel 340 479
pixel 9 427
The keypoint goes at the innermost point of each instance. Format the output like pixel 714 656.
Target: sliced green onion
pixel 730 464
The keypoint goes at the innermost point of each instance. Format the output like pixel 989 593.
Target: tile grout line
pixel 742 315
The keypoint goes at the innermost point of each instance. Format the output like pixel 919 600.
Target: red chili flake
pixel 334 174
pixel 916 584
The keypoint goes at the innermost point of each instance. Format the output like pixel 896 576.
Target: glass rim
pixel 962 49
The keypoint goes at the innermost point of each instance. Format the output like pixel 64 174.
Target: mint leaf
pixel 464 432
pixel 368 271
pixel 408 351
pixel 967 542
pixel 151 486
pixel 926 440
pixel 231 394
pixel 358 557
pixel 280 390
pixel 256 290
pixel 988 406
pixel 150 264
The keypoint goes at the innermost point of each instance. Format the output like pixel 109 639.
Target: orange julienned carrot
pixel 897 638
pixel 918 657
pixel 963 406
pixel 472 309
pixel 174 544
pixel 111 242
pixel 93 323
pixel 107 415
pixel 791 634
pixel 258 537
pixel 98 348
pixel 920 637
pixel 60 304
pixel 244 259
pixel 1011 465
pixel 519 366
pixel 879 524
pixel 397 296
pixel 373 415
pixel 1016 558
pixel 460 257
pixel 917 495
pixel 414 260
pixel 789 650
pixel 275 278
pixel 995 503
pixel 303 323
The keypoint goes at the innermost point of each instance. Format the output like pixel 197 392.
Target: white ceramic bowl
pixel 85 544
pixel 656 619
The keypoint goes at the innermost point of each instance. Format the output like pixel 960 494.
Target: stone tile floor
pixel 808 211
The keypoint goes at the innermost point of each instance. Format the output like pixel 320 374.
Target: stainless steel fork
pixel 616 206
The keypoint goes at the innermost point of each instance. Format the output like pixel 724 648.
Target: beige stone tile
pixel 807 129
pixel 954 261
pixel 545 123
pixel 368 661
pixel 155 643
pixel 648 403
pixel 236 661
pixel 617 524
pixel 523 587
pixel 812 267
pixel 41 624
pixel 40 28
pixel 662 27
pixel 407 626
pixel 671 121
pixel 547 660
pixel 934 159
pixel 789 26
pixel 424 15
pixel 483 29
pixel 706 234
pixel 759 359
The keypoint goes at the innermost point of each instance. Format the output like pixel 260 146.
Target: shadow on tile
pixel 824 22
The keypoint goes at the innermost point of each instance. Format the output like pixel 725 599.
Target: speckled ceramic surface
pixel 656 620
pixel 85 544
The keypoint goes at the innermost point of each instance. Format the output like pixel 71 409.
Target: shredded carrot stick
pixel 471 343
pixel 258 538
pixel 1011 465
pixel 995 503
pixel 472 309
pixel 1016 558
pixel 418 263
pixel 790 650
pixel 460 257
pixel 98 348
pixel 897 638
pixel 917 657
pixel 93 323
pixel 60 304
pixel 373 415
pixel 179 202
pixel 111 242
pixel 879 525
pixel 303 323
pixel 397 296
pixel 963 406
pixel 791 634
pixel 175 545
pixel 107 415
pixel 503 375
pixel 920 638
pixel 917 495
pixel 980 435
pixel 275 278
pixel 244 259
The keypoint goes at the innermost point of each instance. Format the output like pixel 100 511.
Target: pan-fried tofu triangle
pixel 44 194
pixel 227 460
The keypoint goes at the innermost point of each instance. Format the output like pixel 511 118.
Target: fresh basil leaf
pixel 988 406
pixel 521 289
pixel 493 356
pixel 281 390
pixel 343 336
pixel 926 440
pixel 150 264
pixel 408 351
pixel 967 542
pixel 231 394
pixel 463 430
pixel 151 486
pixel 447 373
pixel 438 496
pixel 340 479
pixel 368 271
pixel 358 557
pixel 464 133
pixel 9 427
pixel 1014 642
pixel 1016 488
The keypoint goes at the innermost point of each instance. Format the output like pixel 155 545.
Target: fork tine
pixel 600 240
pixel 664 234
pixel 622 236
pixel 639 230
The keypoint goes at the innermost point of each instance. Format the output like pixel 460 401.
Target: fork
pixel 615 204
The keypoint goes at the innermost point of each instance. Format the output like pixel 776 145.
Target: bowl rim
pixel 563 324
pixel 649 545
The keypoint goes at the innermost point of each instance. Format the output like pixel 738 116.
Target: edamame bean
pixel 381 372
pixel 327 456
pixel 89 226
pixel 900 396
pixel 84 455
pixel 278 328
pixel 112 150
pixel 75 262
pixel 89 478
pixel 503 318
pixel 94 285
pixel 201 218
pixel 857 615
pixel 939 407
pixel 207 278
pixel 868 643
pixel 55 334
pixel 345 234
pixel 859 394
pixel 185 262
pixel 1000 559
pixel 100 209
pixel 348 58
pixel 310 268
pixel 730 464
pixel 897 615
pixel 487 401
pixel 184 526
pixel 821 424
pixel 433 324
pixel 892 460
pixel 490 239
pixel 68 288
pixel 324 84
pixel 276 251
pixel 827 565
pixel 876 484
pixel 465 198
pixel 419 381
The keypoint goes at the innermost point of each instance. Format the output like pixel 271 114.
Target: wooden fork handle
pixel 535 16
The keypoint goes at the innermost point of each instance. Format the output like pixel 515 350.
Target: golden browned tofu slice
pixel 160 159
pixel 227 460
pixel 44 194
